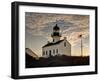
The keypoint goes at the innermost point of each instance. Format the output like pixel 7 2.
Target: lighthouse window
pixel 53 40
pixel 43 52
pixel 65 44
pixel 56 50
pixel 53 51
pixel 49 52
pixel 46 53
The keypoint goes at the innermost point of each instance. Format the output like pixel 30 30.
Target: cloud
pixel 39 24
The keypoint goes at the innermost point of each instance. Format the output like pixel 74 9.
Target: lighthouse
pixel 57 46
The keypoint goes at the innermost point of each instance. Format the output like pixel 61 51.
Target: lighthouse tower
pixel 56 34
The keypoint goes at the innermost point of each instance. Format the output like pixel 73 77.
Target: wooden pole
pixel 80 36
pixel 81 47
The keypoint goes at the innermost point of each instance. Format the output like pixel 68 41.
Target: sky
pixel 39 26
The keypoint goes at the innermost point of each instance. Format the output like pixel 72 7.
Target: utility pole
pixel 81 45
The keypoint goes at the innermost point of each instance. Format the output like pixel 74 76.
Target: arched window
pixel 53 40
pixel 46 53
pixel 49 52
pixel 56 50
pixel 65 44
pixel 53 51
pixel 43 53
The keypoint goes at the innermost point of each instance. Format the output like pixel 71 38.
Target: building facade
pixel 57 46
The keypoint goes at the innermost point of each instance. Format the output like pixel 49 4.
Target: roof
pixel 31 53
pixel 52 43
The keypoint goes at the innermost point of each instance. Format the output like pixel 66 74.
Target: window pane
pixel 53 51
pixel 56 50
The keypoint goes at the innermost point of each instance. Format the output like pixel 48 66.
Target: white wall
pixel 65 50
pixel 60 47
pixel 53 47
pixel 5 40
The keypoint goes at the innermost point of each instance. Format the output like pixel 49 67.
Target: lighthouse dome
pixel 56 27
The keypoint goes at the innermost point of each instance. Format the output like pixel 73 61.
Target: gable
pixel 65 43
